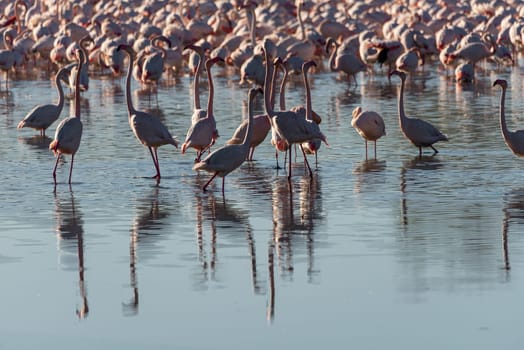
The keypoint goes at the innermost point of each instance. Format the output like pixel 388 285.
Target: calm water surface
pixel 401 252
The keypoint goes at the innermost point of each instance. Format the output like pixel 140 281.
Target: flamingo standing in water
pixel 69 132
pixel 369 125
pixel 514 139
pixel 148 129
pixel 203 134
pixel 418 131
pixel 289 126
pixel 42 116
pixel 229 157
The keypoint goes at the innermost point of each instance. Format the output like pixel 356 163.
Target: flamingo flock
pixel 251 40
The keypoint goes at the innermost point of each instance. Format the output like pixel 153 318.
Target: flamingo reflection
pixel 513 214
pixel 70 235
pixel 150 216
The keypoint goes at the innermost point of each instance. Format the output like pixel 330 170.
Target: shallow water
pixel 398 252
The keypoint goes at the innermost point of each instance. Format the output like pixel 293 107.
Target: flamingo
pixel 42 116
pixel 514 139
pixel 464 73
pixel 198 112
pixel 148 129
pixel 420 132
pixel 369 125
pixel 229 157
pixel 346 62
pixel 69 132
pixel 289 126
pixel 203 134
pixel 84 76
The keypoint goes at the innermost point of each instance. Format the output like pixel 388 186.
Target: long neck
pixel 267 87
pixel 401 115
pixel 308 97
pixel 249 133
pixel 283 90
pixel 60 92
pixel 196 82
pixel 332 59
pixel 211 93
pixel 503 125
pixel 77 86
pixel 300 21
pixel 129 100
pixel 252 25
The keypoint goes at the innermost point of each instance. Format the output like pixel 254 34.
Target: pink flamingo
pixel 69 132
pixel 369 125
pixel 203 134
pixel 229 157
pixel 290 127
pixel 345 62
pixel 148 129
pixel 419 132
pixel 514 139
pixel 42 116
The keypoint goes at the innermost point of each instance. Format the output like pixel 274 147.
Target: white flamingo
pixel 229 157
pixel 369 125
pixel 514 139
pixel 69 132
pixel 203 134
pixel 148 129
pixel 418 131
pixel 42 116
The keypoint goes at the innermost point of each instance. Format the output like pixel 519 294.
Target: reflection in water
pixel 150 216
pixel 270 310
pixel 70 234
pixel 287 229
pixel 424 163
pixel 38 142
pixel 367 172
pixel 513 214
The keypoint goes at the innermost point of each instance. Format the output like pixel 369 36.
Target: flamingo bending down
pixel 203 134
pixel 229 157
pixel 42 116
pixel 69 132
pixel 369 125
pixel 148 129
pixel 514 139
pixel 418 131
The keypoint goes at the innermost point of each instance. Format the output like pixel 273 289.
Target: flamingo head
pixel 401 74
pixel 501 82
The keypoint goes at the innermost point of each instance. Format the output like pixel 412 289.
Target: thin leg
pixel 420 151
pixel 366 148
pixel 223 181
pixel 289 174
pixel 434 149
pixel 316 159
pixel 155 162
pixel 211 179
pixel 276 157
pixel 305 161
pixel 56 164
pixel 375 149
pixel 71 167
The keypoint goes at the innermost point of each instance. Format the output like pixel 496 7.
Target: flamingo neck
pixel 283 90
pixel 401 115
pixel 60 92
pixel 308 97
pixel 332 59
pixel 196 82
pixel 77 85
pixel 301 22
pixel 131 110
pixel 503 125
pixel 249 133
pixel 211 93
pixel 252 25
pixel 267 88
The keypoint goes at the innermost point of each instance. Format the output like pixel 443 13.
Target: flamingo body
pixel 369 125
pixel 513 139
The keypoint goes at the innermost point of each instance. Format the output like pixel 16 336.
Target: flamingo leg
pixel 434 149
pixel 375 149
pixel 366 148
pixel 289 174
pixel 71 167
pixel 305 161
pixel 420 151
pixel 276 157
pixel 223 181
pixel 211 179
pixel 54 169
pixel 155 162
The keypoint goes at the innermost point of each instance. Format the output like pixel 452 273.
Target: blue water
pixel 398 252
